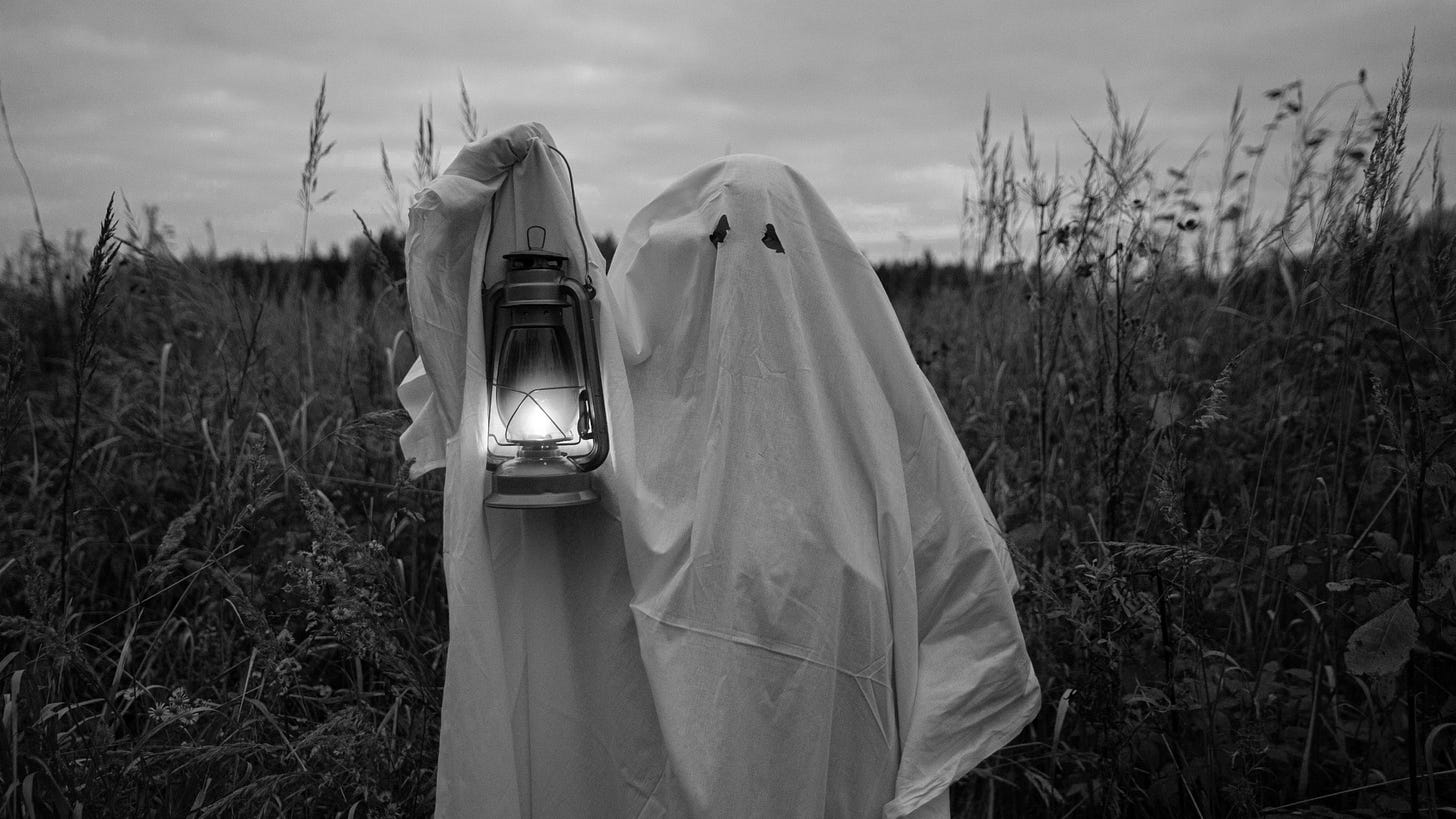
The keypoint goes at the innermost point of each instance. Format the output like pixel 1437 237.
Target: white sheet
pixel 792 601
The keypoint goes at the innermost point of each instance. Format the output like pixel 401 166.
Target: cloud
pixel 204 109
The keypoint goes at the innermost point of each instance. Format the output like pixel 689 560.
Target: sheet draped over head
pixel 792 601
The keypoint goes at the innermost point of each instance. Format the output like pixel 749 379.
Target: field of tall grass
pixel 1218 432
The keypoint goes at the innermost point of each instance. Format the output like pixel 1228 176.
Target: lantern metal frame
pixel 538 291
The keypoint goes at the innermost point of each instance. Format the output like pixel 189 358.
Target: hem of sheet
pixel 903 806
pixel 938 807
pixel 419 470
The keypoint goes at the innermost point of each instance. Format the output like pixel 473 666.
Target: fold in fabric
pixel 792 601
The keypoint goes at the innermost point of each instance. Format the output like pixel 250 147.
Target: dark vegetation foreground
pixel 1222 450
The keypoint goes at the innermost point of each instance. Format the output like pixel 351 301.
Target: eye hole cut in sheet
pixel 770 236
pixel 720 231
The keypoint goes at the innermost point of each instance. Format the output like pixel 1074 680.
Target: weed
pixel 1218 433
pixel 308 196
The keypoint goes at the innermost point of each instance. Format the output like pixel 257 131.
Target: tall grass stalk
pixel 392 209
pixel 93 303
pixel 45 247
pixel 308 195
pixel 426 155
pixel 470 126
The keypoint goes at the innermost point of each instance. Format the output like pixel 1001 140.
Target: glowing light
pixel 545 414
pixel 537 386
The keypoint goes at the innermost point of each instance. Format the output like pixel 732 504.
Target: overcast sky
pixel 202 108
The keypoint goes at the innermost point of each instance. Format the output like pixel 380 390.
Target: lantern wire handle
pixel 575 214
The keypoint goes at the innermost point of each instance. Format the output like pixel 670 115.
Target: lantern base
pixel 540 479
pixel 541 493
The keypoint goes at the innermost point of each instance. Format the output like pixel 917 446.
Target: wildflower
pixel 180 708
pixel 129 695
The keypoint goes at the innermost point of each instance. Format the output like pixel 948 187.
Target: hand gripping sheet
pixel 792 601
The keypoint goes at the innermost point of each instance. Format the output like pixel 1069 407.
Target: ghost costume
pixel 792 600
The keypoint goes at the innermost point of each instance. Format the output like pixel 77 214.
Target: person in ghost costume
pixel 792 599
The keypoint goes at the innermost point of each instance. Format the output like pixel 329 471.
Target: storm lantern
pixel 547 419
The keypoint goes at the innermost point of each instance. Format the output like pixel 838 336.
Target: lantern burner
pixel 539 477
